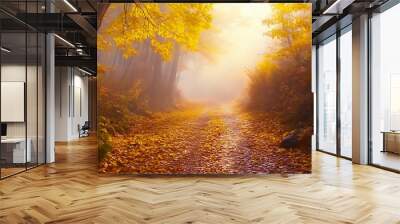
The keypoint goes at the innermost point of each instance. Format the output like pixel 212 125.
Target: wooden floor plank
pixel 71 191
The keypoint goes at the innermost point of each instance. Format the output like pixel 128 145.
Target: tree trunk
pixel 172 79
pixel 155 87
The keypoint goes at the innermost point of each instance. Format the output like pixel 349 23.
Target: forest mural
pixel 204 88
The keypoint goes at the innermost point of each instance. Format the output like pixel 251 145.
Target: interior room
pixel 95 127
pixel 71 103
pixel 22 103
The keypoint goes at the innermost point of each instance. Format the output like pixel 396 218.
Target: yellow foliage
pixel 203 141
pixel 163 48
pixel 102 44
pixel 162 24
pixel 101 69
pixel 290 26
pixel 281 80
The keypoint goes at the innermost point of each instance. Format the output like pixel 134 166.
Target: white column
pixel 360 90
pixel 50 99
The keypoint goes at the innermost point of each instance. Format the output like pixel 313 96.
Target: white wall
pixel 71 103
pixel 12 73
pixel 62 81
pixel 80 112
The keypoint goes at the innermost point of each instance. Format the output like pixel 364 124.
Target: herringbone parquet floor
pixel 71 191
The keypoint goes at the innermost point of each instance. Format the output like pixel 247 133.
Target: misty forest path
pixel 207 140
pixel 216 145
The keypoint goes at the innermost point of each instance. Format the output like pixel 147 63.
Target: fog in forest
pixel 204 88
pixel 238 35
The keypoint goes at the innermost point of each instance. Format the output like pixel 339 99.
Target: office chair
pixel 84 130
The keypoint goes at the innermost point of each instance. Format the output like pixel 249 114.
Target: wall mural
pixel 204 88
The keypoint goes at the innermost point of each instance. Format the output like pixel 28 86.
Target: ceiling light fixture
pixel 5 50
pixel 84 71
pixel 70 5
pixel 79 51
pixel 337 7
pixel 331 7
pixel 65 41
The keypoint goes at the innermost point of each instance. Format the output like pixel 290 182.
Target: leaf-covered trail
pixel 204 141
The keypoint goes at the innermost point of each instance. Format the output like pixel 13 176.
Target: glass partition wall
pixel 22 98
pixel 385 89
pixel 326 60
pixel 13 89
pixel 334 93
pixel 345 91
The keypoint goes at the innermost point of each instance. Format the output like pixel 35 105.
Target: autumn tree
pixel 151 38
pixel 290 27
pixel 139 47
pixel 164 25
pixel 281 82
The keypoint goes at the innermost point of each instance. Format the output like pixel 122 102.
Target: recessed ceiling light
pixel 84 71
pixel 65 41
pixel 337 7
pixel 70 5
pixel 5 50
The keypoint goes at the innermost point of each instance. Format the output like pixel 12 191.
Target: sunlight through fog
pixel 240 34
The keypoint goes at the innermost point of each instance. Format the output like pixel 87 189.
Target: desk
pixel 391 141
pixel 13 150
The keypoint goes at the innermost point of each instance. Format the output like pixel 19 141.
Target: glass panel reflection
pixel 327 96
